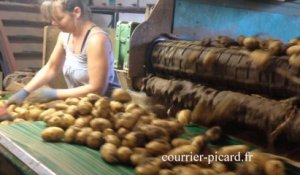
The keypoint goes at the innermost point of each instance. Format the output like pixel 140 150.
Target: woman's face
pixel 63 20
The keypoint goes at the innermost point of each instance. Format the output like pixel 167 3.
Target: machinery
pixel 217 77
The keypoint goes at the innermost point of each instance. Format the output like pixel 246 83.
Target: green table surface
pixel 23 146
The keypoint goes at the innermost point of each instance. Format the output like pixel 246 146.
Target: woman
pixel 83 51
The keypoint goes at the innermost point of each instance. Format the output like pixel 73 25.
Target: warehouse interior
pixel 206 87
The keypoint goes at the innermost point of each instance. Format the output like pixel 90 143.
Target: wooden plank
pixel 22 23
pixel 7 54
pixel 9 6
pixel 20 15
pixel 28 63
pixel 25 39
pixel 26 47
pixel 10 31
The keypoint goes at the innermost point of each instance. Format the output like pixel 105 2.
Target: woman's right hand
pixel 18 97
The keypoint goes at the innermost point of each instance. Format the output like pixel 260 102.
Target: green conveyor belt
pixel 60 158
pixel 23 140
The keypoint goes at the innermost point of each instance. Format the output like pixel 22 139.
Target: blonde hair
pixel 47 8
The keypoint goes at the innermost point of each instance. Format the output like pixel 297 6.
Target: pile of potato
pixel 125 133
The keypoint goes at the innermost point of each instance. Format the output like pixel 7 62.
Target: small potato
pixel 294 60
pixel 116 106
pixel 122 132
pixel 70 134
pixel 72 101
pixel 67 120
pixel 158 147
pixel 52 134
pixel 274 167
pixel 210 58
pixel 11 108
pixel 93 97
pixel 260 58
pixel 121 95
pixel 95 140
pixel 102 103
pixel 34 113
pixel 81 136
pixel 46 113
pixel 148 167
pixel 112 139
pixel 127 120
pixel 72 110
pixel 83 121
pixel 134 139
pixel 124 154
pixel 108 131
pixel 179 142
pixel 54 121
pixel 109 153
pixel 84 108
pixel 213 133
pixel 18 120
pixel 100 124
pixel 233 150
pixel 137 159
pixel 293 50
pixel 61 106
pixel 183 116
pixel 251 43
pixel 130 106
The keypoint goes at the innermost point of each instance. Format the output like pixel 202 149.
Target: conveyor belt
pixel 23 141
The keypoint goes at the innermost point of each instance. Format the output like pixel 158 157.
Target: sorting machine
pixel 184 54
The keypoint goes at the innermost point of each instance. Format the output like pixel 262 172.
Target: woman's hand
pixel 43 95
pixel 18 97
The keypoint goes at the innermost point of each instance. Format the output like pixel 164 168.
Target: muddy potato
pixel 294 60
pixel 47 112
pixel 213 133
pixel 251 43
pixel 274 167
pixel 122 132
pixel 158 147
pixel 183 116
pixel 108 152
pixel 70 134
pixel 134 139
pixel 148 167
pixel 100 124
pixel 52 134
pixel 54 121
pixel 95 140
pixel 93 97
pixel 84 108
pixel 81 136
pixel 34 113
pixel 233 150
pixel 67 120
pixel 127 120
pixel 121 95
pixel 124 154
pixel 112 139
pixel 293 50
pixel 83 121
pixel 72 110
pixel 179 142
pixel 72 101
pixel 116 106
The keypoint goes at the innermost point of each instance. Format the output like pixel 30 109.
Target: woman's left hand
pixel 43 95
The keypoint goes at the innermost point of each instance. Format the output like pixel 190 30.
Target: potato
pixel 22 113
pixel 112 139
pixel 34 113
pixel 61 106
pixel 84 108
pixel 179 142
pixel 130 106
pixel 183 116
pixel 102 103
pixel 166 172
pixel 54 121
pixel 274 167
pixel 184 150
pixel 120 95
pixel 116 106
pixel 81 136
pixel 46 113
pixel 67 120
pixel 72 101
pixel 95 140
pixel 100 124
pixel 122 132
pixel 83 121
pixel 260 58
pixel 158 147
pixel 134 139
pixel 199 142
pixel 108 131
pixel 124 154
pixel 109 153
pixel 293 50
pixel 70 134
pixel 11 108
pixel 18 120
pixel 92 97
pixel 294 60
pixel 127 121
pixel 251 43
pixel 213 133
pixel 154 132
pixel 52 134
pixel 219 167
pixel 72 110
pixel 233 150
pixel 137 159
pixel 149 166
pixel 6 122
